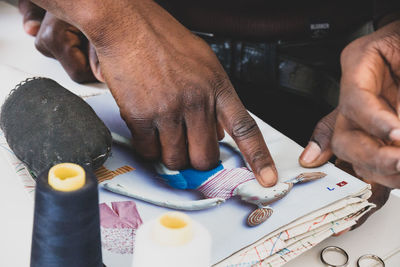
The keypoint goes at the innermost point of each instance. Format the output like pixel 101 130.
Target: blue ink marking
pixel 272 249
pixel 7 149
pixel 283 251
pixel 330 189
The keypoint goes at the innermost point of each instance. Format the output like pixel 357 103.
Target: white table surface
pixel 379 235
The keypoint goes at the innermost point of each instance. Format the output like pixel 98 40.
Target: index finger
pixel 238 123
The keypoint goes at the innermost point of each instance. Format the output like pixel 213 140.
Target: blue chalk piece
pixel 189 178
pixel 175 180
pixel 195 178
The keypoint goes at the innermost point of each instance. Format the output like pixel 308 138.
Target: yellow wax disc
pixel 67 177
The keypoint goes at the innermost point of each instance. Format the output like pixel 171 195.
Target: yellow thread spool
pixel 67 177
pixel 173 229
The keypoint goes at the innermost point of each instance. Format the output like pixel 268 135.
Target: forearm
pixel 75 12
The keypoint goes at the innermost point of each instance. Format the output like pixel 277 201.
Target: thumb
pixel 32 16
pixel 318 151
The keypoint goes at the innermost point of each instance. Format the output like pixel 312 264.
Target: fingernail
pixel 31 27
pixel 395 135
pixel 268 176
pixel 310 153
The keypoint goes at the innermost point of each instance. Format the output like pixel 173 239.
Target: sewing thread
pixel 66 229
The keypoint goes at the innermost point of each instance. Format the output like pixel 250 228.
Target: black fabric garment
pixel 261 20
pixel 384 8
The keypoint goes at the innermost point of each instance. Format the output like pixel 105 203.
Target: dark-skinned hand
pixel 368 126
pixel 171 90
pixel 67 44
pixel 319 151
pixel 60 40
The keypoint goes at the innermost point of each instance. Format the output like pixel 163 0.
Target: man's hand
pixel 62 41
pixel 68 45
pixel 319 151
pixel 172 92
pixel 176 98
pixel 368 124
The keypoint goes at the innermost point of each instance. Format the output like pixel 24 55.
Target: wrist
pixel 138 24
pixel 113 23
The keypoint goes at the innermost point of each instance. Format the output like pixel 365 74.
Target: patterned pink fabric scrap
pixel 118 226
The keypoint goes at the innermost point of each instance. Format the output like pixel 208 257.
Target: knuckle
pixel 175 162
pixel 203 164
pixel 390 41
pixel 149 155
pixel 142 124
pixel 194 100
pixel 139 125
pixel 259 158
pixel 323 132
pixel 348 50
pixel 244 127
pixel 220 82
pixel 352 48
pixel 39 44
pixel 205 160
pixel 47 35
pixel 325 128
pixel 223 88
pixel 79 73
pixel 79 76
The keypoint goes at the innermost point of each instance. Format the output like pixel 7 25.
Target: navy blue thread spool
pixel 66 228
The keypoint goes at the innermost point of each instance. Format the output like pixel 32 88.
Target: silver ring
pixel 370 256
pixel 337 249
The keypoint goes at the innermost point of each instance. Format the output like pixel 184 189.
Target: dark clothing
pixel 385 7
pixel 283 56
pixel 266 20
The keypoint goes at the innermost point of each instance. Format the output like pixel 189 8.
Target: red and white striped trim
pixel 223 183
